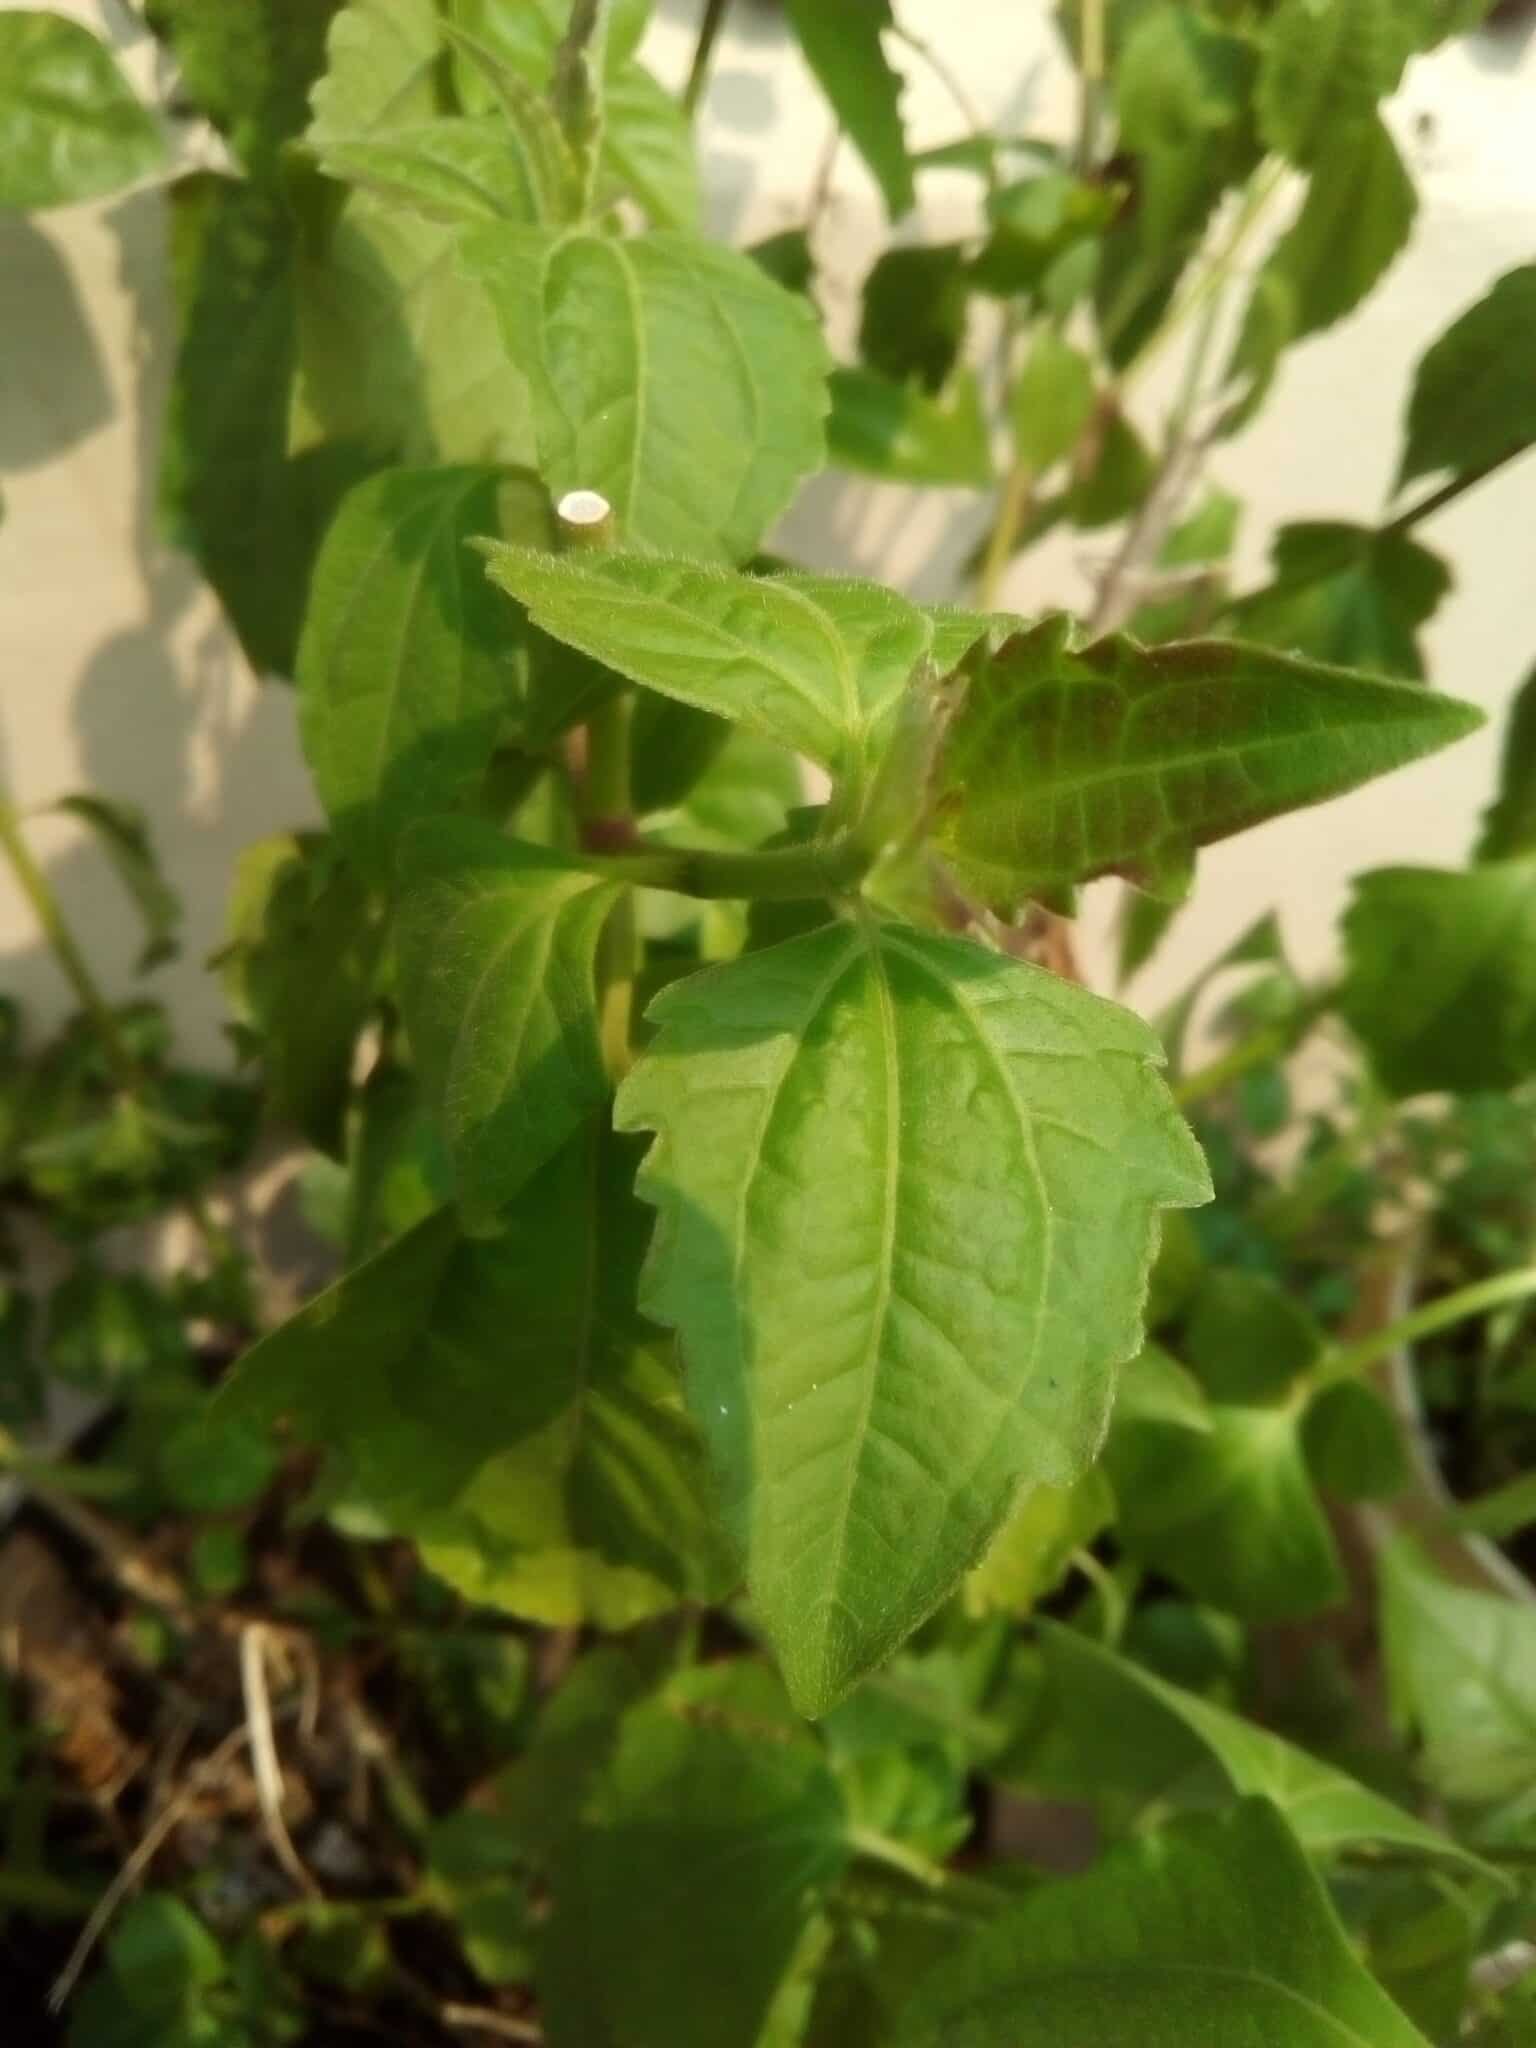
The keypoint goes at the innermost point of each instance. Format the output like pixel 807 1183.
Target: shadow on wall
pixel 161 710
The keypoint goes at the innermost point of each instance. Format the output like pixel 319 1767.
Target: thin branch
pixel 710 24
pixel 485 2021
pixel 1447 494
pixel 143 1855
pixel 264 1763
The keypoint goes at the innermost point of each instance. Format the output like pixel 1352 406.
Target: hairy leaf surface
pixel 811 661
pixel 1064 763
pixel 886 1165
pixel 669 374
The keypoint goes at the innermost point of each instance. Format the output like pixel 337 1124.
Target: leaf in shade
pixel 1228 1511
pixel 1353 1443
pixel 503 1406
pixel 1474 398
pixel 1461 1670
pixel 1181 86
pixel 407 670
pixel 230 492
pixel 652 1889
pixel 1441 978
pixel 843 48
pixel 671 375
pixel 1247 1338
pixel 1063 763
pixel 1350 595
pixel 248 65
pixel 496 942
pixel 123 836
pixel 1326 66
pixel 1165 1737
pixel 1214 1923
pixel 399 351
pixel 912 324
pixel 814 662
pixel 881 1357
pixel 1353 224
pixel 70 126
pixel 1116 472
pixel 897 432
pixel 300 966
pixel 1509 823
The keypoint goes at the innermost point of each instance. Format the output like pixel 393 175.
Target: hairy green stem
pixel 786 874
pixel 1002 542
pixel 1475 1300
pixel 711 21
pixel 578 108
pixel 44 904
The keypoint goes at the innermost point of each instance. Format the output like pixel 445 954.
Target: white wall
pixel 116 673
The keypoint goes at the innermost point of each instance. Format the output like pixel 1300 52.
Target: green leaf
pixel 670 375
pixel 502 1405
pixel 248 65
pixel 123 836
pixel 399 351
pixel 70 127
pixel 1166 1737
pixel 1040 226
pixel 299 970
pixel 496 942
pixel 383 58
pixel 1353 224
pixel 1209 1924
pixel 457 170
pixel 1350 595
pixel 106 1329
pixel 1064 763
pixel 1117 473
pixel 1229 1511
pixel 1326 64
pixel 843 48
pixel 1509 823
pixel 1474 400
pixel 647 149
pixel 1051 402
pixel 1441 980
pixel 913 316
pixel 817 664
pixel 881 1357
pixel 407 669
pixel 705 1850
pixel 897 432
pixel 230 492
pixel 1461 1669
pixel 1182 83
pixel 1248 1338
pixel 1353 1445
pixel 1032 1552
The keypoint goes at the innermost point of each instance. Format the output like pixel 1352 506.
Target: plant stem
pixel 1012 511
pixel 34 885
pixel 1091 61
pixel 876 1847
pixel 607 821
pixel 577 107
pixel 787 874
pixel 1448 493
pixel 1474 1300
pixel 711 21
